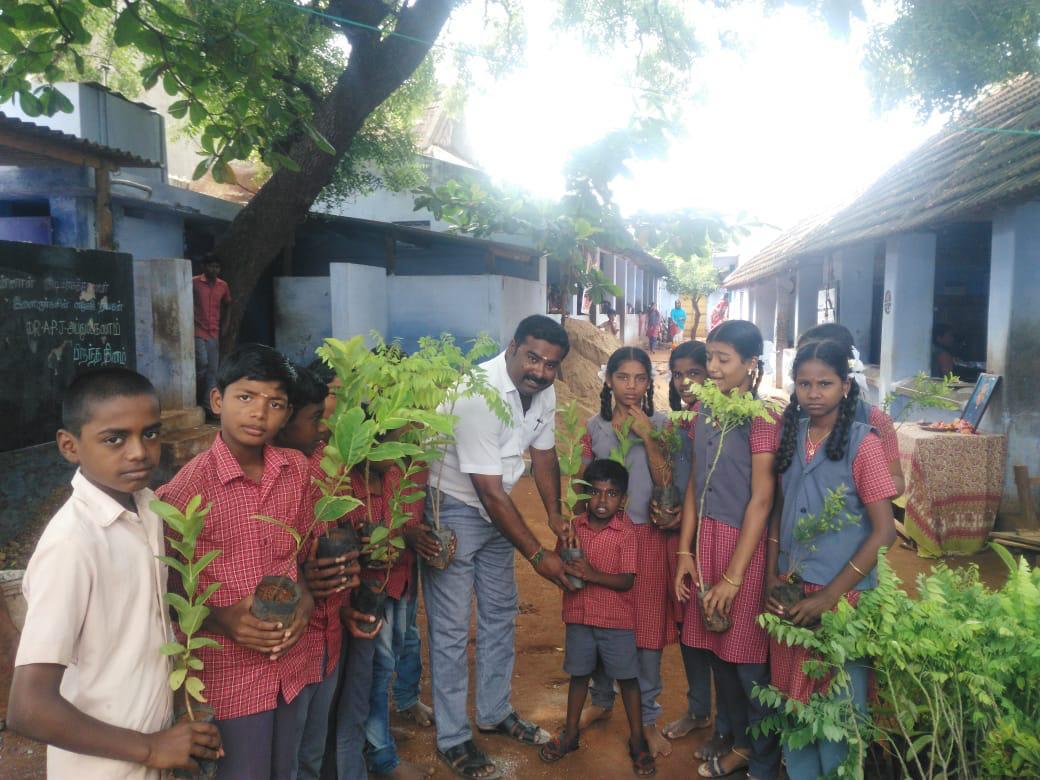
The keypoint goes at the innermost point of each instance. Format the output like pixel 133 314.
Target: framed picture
pixel 980 398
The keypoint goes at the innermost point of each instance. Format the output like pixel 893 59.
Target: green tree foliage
pixel 938 54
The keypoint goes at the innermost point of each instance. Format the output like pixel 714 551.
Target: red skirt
pixel 655 623
pixel 787 664
pixel 675 607
pixel 745 642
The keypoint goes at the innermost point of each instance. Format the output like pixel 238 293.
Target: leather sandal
pixel 522 731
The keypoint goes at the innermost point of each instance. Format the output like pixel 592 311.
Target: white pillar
pixel 906 309
pixel 1013 335
pixel 810 279
pixel 358 294
pixel 854 268
pixel 165 329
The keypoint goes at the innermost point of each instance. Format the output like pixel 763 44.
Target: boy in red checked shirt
pixel 254 679
pixel 601 617
pixel 329 579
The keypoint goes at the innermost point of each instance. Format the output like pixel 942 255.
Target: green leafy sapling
pixel 619 454
pixel 190 608
pixel 806 534
pixel 569 434
pixel 923 392
pixel 669 438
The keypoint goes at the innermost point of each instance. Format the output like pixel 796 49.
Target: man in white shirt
pixel 475 479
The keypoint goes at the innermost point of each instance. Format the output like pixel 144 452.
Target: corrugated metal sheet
pixel 988 157
pixel 13 156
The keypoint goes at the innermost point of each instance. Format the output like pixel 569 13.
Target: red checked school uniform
pixel 611 550
pixel 240 681
pixel 729 492
pixel 866 467
pixel 324 633
pixel 655 623
pixel 402 575
pixel 882 423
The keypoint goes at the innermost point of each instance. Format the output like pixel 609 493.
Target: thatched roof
pixel 986 158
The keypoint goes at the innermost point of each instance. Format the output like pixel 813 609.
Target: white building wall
pixel 906 325
pixel 358 294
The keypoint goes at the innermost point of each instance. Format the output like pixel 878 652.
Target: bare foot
pixel 659 745
pixel 678 729
pixel 593 714
pixel 409 771
pixel 421 713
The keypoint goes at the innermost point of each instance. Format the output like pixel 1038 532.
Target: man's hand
pixel 419 539
pixel 551 568
pixel 352 619
pixel 238 624
pixel 178 746
pixel 560 527
pixel 326 576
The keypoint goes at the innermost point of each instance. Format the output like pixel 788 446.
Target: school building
pixel 948 237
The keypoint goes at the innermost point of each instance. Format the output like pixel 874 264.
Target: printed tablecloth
pixel 954 482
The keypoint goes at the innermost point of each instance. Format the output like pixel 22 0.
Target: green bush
pixel 957 673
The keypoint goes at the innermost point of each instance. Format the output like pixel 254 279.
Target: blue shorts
pixel 614 648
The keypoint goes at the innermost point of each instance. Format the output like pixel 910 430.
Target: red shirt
pixel 324 634
pixel 240 681
pixel 612 550
pixel 402 573
pixel 208 298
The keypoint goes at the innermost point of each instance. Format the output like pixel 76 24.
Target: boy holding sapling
pixel 94 589
pixel 328 578
pixel 254 679
pixel 601 617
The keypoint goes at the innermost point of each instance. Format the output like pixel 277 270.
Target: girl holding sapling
pixel 726 509
pixel 825 452
pixel 688 364
pixel 624 430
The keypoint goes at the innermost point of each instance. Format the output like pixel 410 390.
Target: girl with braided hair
pixel 827 450
pixel 628 394
pixel 876 418
pixel 731 557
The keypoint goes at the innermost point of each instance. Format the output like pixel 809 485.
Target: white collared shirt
pixel 486 445
pixel 94 591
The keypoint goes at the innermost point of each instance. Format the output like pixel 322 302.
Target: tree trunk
pixel 696 316
pixel 376 68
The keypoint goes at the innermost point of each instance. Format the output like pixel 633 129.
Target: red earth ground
pixel 539 687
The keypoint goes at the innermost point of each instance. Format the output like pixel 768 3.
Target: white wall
pixel 520 298
pixel 906 329
pixel 302 315
pixel 359 300
pixel 146 233
pixel 854 267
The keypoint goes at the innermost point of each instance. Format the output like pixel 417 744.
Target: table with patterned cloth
pixel 954 482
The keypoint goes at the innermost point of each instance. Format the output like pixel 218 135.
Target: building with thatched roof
pixel 947 239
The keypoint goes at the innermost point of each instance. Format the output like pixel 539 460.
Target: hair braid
pixel 757 379
pixel 674 398
pixel 789 437
pixel 606 403
pixel 846 416
pixel 649 402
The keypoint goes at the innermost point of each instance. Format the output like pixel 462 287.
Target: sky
pixel 783 127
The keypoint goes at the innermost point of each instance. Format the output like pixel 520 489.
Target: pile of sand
pixel 579 374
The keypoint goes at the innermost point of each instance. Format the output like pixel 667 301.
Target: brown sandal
pixel 557 747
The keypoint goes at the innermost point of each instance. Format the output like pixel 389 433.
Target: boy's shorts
pixel 614 647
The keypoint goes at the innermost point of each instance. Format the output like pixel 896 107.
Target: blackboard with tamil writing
pixel 61 311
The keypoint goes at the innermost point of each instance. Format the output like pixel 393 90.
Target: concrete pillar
pixel 165 329
pixel 1013 336
pixel 906 309
pixel 764 307
pixel 854 269
pixel 302 315
pixel 358 294
pixel 809 282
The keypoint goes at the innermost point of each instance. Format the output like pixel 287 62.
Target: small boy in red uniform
pixel 252 682
pixel 601 617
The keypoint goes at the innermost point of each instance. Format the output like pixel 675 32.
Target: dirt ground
pixel 539 683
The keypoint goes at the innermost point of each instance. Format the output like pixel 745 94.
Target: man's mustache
pixel 534 380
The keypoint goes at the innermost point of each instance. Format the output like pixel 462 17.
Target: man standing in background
pixel 212 296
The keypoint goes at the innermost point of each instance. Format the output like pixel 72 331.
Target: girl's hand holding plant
pixel 666 519
pixel 807 612
pixel 685 567
pixel 772 605
pixel 642 426
pixel 719 598
pixel 326 576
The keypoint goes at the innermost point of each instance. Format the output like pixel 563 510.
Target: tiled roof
pixel 986 158
pixel 14 155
